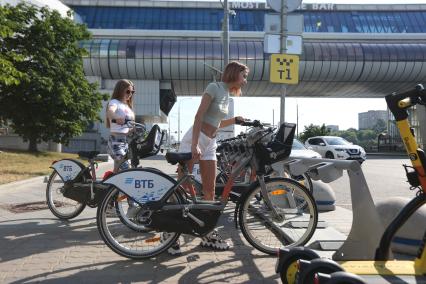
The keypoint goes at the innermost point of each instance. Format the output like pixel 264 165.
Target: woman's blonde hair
pixel 118 93
pixel 232 74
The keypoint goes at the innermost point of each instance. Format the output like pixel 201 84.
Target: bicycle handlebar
pixel 254 123
pixel 129 123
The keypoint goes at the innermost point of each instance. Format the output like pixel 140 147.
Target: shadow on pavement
pixel 85 258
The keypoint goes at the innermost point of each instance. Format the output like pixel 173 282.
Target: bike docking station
pixel 367 227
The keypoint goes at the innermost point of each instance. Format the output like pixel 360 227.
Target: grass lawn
pixel 18 165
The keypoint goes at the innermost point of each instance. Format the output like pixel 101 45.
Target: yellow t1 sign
pixel 284 69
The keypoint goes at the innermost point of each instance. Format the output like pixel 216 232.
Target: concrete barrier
pixel 408 238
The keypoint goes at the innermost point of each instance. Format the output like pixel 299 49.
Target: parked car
pixel 299 150
pixel 334 147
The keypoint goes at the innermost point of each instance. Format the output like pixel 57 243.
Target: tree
pixel 380 126
pixel 9 75
pixel 350 135
pixel 313 130
pixel 54 101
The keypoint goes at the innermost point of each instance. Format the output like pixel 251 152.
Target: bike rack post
pixel 367 227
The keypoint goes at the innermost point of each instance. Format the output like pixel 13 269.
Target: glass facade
pixel 249 20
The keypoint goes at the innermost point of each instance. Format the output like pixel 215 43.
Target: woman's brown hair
pixel 232 74
pixel 118 93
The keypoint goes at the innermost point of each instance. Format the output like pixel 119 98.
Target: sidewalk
pixel 35 246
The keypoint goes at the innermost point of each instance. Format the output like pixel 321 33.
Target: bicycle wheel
pixel 124 239
pixel 296 221
pixel 61 206
pixel 127 212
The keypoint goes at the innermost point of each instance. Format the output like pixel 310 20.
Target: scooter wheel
pixel 308 269
pixel 287 264
pixel 341 277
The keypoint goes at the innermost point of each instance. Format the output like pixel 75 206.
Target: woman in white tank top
pixel 120 108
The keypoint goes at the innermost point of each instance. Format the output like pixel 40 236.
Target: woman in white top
pixel 120 108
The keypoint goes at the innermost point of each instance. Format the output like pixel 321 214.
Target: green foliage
pixel 313 130
pixel 9 75
pixel 53 101
pixel 380 126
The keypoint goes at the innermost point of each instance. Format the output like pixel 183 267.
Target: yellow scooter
pixel 303 266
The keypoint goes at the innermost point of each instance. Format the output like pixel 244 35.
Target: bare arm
pixel 112 115
pixel 204 105
pixel 230 121
pixel 227 122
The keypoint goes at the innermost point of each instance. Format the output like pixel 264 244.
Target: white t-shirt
pixel 122 111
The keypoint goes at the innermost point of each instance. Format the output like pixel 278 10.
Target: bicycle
pixel 273 212
pixel 72 186
pixel 230 149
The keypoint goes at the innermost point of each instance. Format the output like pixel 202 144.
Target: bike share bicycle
pixel 269 212
pixel 232 147
pixel 72 186
pixel 303 266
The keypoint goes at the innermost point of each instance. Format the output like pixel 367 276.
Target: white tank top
pixel 122 111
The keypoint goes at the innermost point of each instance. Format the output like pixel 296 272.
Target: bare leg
pixel 208 177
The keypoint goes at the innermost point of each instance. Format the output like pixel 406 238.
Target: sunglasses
pixel 130 92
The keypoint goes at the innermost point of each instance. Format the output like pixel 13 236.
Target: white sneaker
pixel 214 241
pixel 175 248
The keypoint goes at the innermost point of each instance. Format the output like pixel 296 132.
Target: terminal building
pixel 168 49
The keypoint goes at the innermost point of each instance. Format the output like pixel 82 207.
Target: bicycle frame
pixel 248 159
pixel 398 104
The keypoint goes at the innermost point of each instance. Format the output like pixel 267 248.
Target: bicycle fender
pixel 67 169
pixel 142 185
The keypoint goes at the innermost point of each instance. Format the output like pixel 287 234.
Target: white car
pixel 299 150
pixel 334 147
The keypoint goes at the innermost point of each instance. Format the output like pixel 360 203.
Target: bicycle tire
pixel 123 248
pixel 54 206
pixel 288 234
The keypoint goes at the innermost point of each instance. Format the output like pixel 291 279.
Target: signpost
pixel 284 68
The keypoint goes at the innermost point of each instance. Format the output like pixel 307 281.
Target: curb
pixel 390 154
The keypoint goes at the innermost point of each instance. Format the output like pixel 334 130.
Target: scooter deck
pixel 390 267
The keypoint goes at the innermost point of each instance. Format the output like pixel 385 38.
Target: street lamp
pixel 181 100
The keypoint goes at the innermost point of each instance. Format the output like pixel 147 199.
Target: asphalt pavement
pixel 37 247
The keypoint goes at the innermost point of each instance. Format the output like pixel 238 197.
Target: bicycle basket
pixel 151 145
pixel 279 148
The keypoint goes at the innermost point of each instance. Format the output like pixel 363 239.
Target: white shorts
pixel 206 144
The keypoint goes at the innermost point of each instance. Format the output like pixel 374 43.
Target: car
pixel 299 150
pixel 334 147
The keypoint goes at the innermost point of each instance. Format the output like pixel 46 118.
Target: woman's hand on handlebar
pixel 119 121
pixel 240 120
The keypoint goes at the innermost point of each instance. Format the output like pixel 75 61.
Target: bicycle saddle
pixel 88 154
pixel 174 158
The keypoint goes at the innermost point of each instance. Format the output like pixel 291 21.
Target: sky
pixel 330 111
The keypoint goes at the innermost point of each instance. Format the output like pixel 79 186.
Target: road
pixel 385 178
